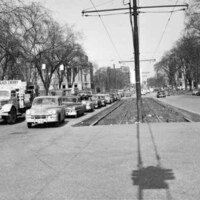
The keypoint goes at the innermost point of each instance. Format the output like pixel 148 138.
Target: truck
pixel 15 99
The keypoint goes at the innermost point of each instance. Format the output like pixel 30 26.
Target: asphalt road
pixel 48 163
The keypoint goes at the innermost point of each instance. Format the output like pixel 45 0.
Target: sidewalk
pixel 97 163
pixel 189 102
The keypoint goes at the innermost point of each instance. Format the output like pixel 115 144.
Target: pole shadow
pixel 150 177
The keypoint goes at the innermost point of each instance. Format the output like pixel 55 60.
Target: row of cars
pixel 54 109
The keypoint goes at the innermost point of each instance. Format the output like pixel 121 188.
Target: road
pixel 48 163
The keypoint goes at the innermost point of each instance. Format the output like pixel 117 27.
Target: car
pixel 161 94
pixel 88 103
pixel 45 109
pixel 96 101
pixel 143 92
pixel 85 93
pixel 102 99
pixel 127 94
pixel 109 98
pixel 73 106
pixel 196 92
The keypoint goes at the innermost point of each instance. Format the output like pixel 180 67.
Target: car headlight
pixel 28 112
pixel 51 112
pixel 73 108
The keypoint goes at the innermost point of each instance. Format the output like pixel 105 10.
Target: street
pixel 97 162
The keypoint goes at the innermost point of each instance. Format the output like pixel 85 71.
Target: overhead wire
pixel 100 4
pixel 107 32
pixel 164 31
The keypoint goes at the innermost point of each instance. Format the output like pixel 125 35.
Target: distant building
pixel 126 71
pixel 83 79
pixel 74 78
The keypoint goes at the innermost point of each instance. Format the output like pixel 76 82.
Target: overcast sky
pixel 106 50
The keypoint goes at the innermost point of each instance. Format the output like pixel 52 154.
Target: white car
pixel 45 109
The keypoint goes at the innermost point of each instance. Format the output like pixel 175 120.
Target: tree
pixel 29 38
pixel 110 79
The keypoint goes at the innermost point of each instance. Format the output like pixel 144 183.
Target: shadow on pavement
pixel 50 125
pixel 152 177
pixel 19 120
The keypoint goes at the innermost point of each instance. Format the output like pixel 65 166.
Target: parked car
pixel 85 93
pixel 196 92
pixel 73 106
pixel 127 94
pixel 96 101
pixel 161 94
pixel 109 98
pixel 102 99
pixel 45 109
pixel 88 103
pixel 143 92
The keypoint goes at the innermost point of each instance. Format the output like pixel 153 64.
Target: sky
pixel 108 39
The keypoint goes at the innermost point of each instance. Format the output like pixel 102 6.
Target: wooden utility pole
pixel 137 60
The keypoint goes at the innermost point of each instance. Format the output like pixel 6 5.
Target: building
pixel 126 71
pixel 77 78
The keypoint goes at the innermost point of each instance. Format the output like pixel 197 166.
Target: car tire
pixel 63 120
pixel 29 125
pixel 12 117
pixel 58 122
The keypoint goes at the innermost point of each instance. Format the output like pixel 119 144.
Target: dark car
pixel 161 94
pixel 97 102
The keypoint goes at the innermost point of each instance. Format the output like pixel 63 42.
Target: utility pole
pixel 138 88
pixel 137 61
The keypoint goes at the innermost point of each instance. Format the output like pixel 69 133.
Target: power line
pixel 100 4
pixel 107 32
pixel 165 29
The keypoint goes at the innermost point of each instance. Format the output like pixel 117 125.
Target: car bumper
pixel 41 119
pixel 72 113
pixel 88 107
pixel 3 114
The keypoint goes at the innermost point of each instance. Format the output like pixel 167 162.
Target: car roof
pixel 55 97
pixel 70 96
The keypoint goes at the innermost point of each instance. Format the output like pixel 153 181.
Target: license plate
pixel 40 121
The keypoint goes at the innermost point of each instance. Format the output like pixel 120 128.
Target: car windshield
pixel 84 98
pixel 45 101
pixel 69 100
